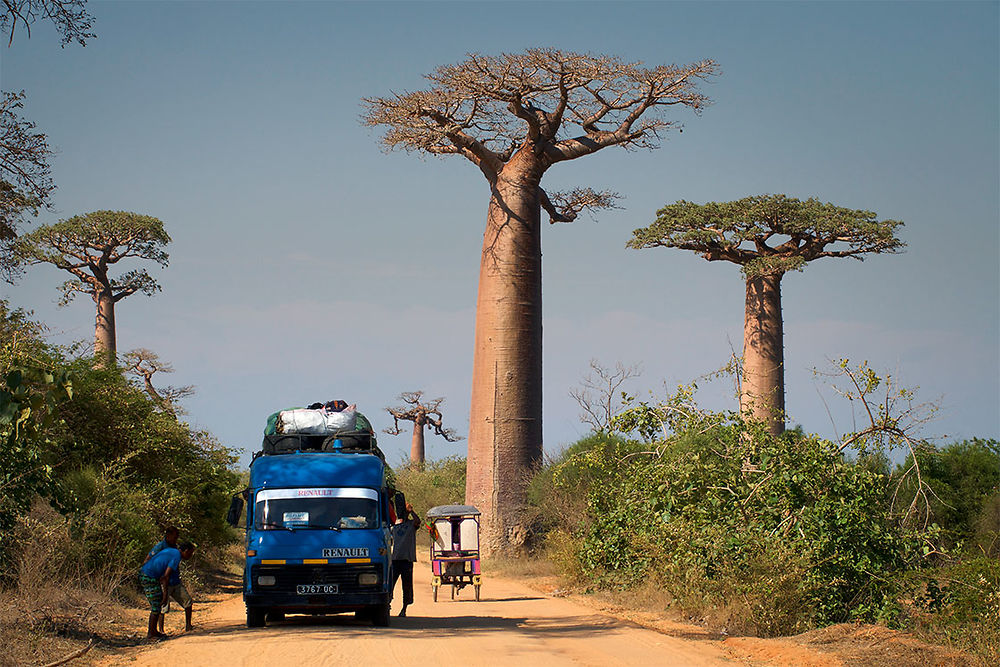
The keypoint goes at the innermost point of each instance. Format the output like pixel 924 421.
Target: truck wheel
pixel 380 615
pixel 256 617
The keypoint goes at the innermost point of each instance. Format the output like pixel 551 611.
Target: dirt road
pixel 511 625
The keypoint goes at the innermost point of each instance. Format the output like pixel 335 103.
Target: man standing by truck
pixel 404 553
pixel 157 575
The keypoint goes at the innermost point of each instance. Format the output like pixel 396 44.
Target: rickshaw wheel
pixel 453 591
pixel 477 592
pixel 434 590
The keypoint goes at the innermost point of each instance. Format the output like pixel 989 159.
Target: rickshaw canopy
pixel 448 511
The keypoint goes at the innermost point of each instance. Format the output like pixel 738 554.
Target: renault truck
pixel 317 525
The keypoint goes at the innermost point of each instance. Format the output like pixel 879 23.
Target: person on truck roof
pixel 156 576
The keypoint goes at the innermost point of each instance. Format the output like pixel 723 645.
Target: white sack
pixel 317 422
pixel 344 420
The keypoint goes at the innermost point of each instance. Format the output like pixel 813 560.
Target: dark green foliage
pixel 965 480
pixel 130 469
pixel 780 534
pixel 785 232
pixel 29 393
pixel 105 455
pixel 712 507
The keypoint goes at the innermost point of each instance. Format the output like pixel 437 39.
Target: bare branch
pixel 567 206
pixel 144 364
pixel 600 393
pixel 69 16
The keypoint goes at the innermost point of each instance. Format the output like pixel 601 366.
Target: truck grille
pixel 287 577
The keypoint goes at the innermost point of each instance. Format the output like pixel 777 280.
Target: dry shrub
pixel 436 483
pixel 55 604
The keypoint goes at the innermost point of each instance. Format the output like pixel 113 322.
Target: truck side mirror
pixel 235 510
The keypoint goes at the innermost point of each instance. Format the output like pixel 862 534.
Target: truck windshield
pixel 316 508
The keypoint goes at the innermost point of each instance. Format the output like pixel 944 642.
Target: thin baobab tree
pixel 425 414
pixel 767 236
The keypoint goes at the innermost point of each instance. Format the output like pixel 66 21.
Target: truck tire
pixel 380 615
pixel 256 617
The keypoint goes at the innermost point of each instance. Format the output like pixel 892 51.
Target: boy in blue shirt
pixel 156 576
pixel 169 540
pixel 176 589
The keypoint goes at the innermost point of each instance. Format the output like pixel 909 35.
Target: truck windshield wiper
pixel 268 524
pixel 321 527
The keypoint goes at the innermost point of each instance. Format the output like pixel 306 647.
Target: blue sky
pixel 308 264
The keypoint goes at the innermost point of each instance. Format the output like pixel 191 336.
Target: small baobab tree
pixel 514 116
pixel 767 236
pixel 424 413
pixel 87 246
pixel 143 364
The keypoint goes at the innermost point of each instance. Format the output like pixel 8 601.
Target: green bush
pixel 104 454
pixel 437 483
pixel 783 531
pixel 962 604
pixel 964 478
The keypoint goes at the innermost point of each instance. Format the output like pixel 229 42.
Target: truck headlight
pixel 266 580
pixel 368 579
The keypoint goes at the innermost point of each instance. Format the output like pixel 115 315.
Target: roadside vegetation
pixel 432 483
pixel 772 535
pixel 92 469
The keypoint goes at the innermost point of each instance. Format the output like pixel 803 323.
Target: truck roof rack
pixel 345 441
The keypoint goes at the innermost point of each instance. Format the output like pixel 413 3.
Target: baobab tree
pixel 424 414
pixel 143 364
pixel 86 246
pixel 767 236
pixel 514 116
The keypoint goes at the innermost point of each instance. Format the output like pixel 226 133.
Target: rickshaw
pixel 454 548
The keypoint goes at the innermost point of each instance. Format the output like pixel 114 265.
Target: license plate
pixel 313 589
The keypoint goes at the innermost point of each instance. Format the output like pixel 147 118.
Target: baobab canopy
pixel 769 234
pixel 561 105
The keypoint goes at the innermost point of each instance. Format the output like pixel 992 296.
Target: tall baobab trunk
pixel 763 391
pixel 417 444
pixel 505 420
pixel 105 346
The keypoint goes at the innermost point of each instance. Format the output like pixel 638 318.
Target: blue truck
pixel 318 537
